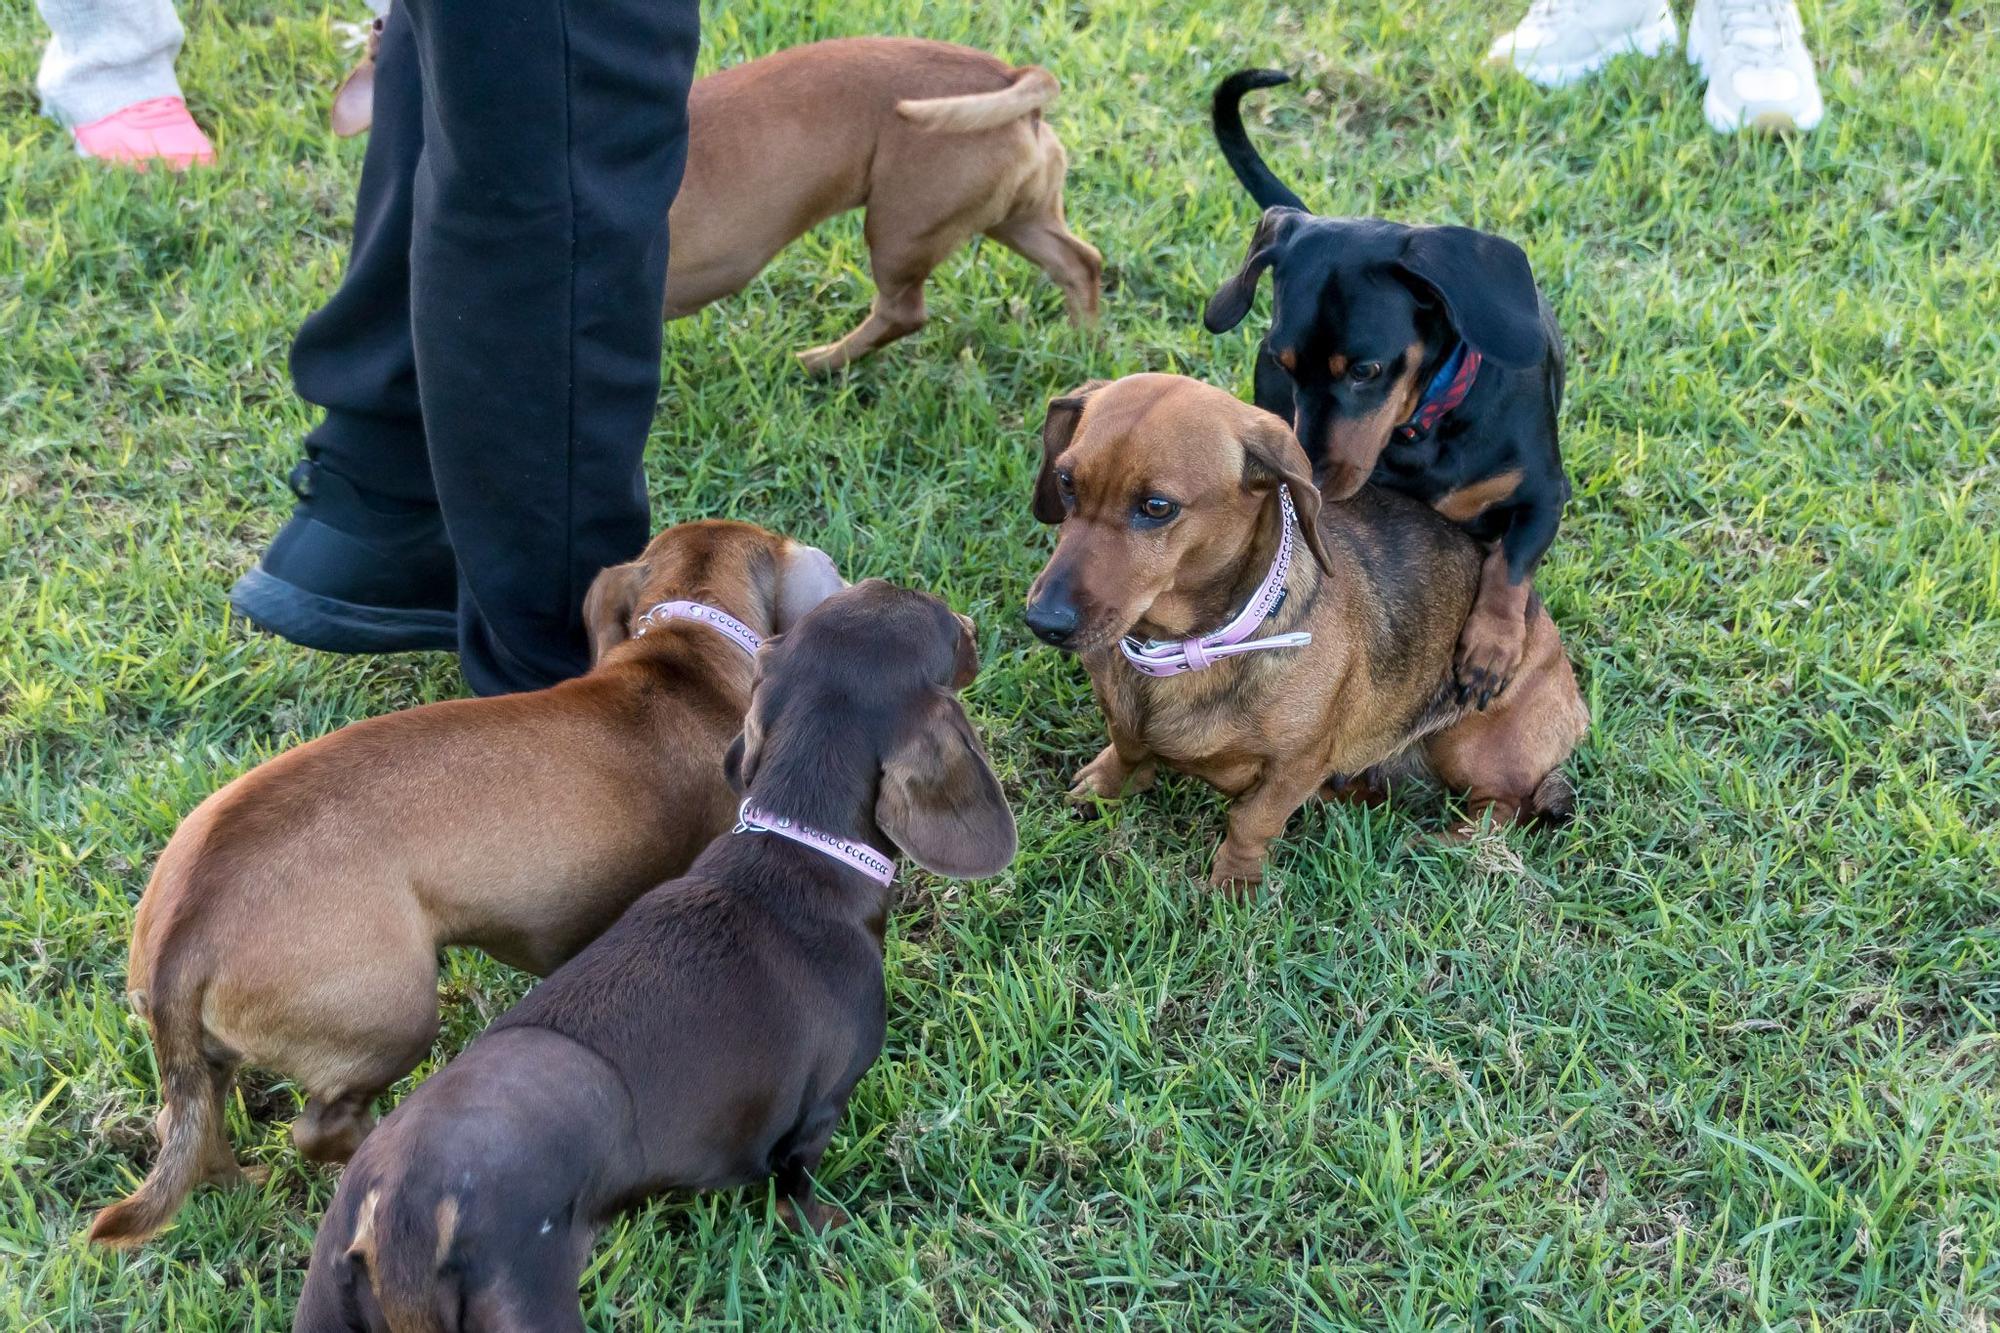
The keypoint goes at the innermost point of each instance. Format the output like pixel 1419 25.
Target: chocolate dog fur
pixel 1364 313
pixel 940 143
pixel 293 921
pixel 712 1036
pixel 1166 493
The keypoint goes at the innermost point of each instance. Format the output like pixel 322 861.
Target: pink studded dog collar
pixel 860 856
pixel 739 633
pixel 1173 659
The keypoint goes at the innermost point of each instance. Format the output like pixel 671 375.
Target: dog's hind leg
pixel 1504 760
pixel 1072 263
pixel 901 264
pixel 792 1173
pixel 354 1056
pixel 332 1127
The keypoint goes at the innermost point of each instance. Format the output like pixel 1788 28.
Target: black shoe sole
pixel 333 626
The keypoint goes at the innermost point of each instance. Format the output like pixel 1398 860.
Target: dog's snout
pixel 1052 620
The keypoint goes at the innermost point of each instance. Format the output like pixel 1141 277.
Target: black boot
pixel 350 573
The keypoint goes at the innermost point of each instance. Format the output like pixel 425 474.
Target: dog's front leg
pixel 1256 817
pixel 1495 634
pixel 1125 764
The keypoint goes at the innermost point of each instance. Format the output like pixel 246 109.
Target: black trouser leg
pixel 554 138
pixel 362 564
pixel 353 356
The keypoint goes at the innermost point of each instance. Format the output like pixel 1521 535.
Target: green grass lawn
pixel 1724 1053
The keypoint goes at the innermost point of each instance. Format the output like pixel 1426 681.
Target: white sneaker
pixel 1760 74
pixel 1558 42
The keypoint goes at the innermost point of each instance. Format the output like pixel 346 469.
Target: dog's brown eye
pixel 1066 485
pixel 1157 509
pixel 1364 371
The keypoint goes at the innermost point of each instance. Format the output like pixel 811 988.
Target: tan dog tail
pixel 1032 89
pixel 193 1145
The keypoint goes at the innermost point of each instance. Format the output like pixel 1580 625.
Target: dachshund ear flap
pixel 807 576
pixel 1270 448
pixel 1058 429
pixel 607 607
pixel 939 801
pixel 1232 300
pixel 1487 288
pixel 739 761
pixel 354 100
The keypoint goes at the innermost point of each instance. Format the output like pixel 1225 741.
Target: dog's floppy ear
pixel 965 657
pixel 1058 429
pixel 1233 298
pixel 939 800
pixel 1487 289
pixel 1271 448
pixel 739 761
pixel 806 577
pixel 607 607
pixel 354 100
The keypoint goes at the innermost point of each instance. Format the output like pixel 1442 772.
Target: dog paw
pixel 821 360
pixel 1362 790
pixel 1235 880
pixel 814 1217
pixel 1489 653
pixel 1106 779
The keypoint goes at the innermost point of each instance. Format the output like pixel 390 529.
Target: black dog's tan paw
pixel 1489 653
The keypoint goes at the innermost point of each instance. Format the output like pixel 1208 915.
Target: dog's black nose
pixel 1052 622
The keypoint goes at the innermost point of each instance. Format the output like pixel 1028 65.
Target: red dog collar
pixel 1446 390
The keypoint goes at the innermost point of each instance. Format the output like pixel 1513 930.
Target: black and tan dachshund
pixel 711 1037
pixel 1422 358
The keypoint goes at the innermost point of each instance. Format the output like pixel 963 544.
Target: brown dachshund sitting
pixel 1237 629
pixel 294 920
pixel 711 1037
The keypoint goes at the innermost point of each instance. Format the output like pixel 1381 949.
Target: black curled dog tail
pixel 1265 188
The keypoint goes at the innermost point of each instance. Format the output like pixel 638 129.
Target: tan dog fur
pixel 940 143
pixel 293 921
pixel 1382 583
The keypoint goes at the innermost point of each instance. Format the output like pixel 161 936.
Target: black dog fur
pixel 711 1037
pixel 1364 313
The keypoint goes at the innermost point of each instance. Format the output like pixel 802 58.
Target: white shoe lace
pixel 1756 30
pixel 1552 12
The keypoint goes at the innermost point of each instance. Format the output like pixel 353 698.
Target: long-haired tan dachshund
pixel 1237 629
pixel 940 143
pixel 294 920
